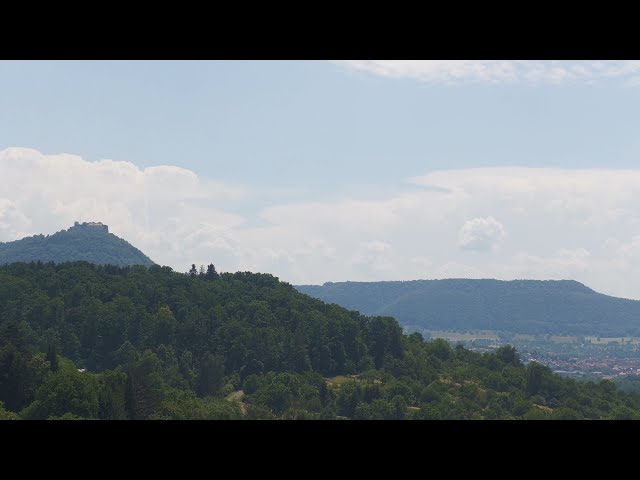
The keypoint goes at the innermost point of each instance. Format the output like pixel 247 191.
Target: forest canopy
pixel 563 307
pixel 85 341
pixel 91 244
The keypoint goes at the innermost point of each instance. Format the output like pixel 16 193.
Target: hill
pixel 79 340
pixel 90 242
pixel 521 306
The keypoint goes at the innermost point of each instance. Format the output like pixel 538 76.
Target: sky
pixel 320 171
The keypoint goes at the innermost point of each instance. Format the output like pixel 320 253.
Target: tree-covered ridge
pixel 520 306
pixel 80 340
pixel 89 244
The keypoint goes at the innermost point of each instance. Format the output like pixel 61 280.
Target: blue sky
pixel 272 145
pixel 314 124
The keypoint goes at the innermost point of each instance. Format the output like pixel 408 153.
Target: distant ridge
pixel 88 241
pixel 519 306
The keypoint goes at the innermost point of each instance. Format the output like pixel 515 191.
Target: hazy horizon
pixel 335 171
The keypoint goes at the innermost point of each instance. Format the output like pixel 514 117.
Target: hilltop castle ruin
pixel 92 225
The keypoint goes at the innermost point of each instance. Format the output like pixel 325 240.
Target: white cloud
pixel 424 262
pixel 563 264
pixel 501 71
pixel 372 258
pixel 480 234
pixel 158 209
pixel 580 224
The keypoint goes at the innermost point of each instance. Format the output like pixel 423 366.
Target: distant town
pixel 588 357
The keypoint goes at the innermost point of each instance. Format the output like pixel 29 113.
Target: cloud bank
pixel 506 222
pixel 501 71
pixel 480 234
pixel 156 209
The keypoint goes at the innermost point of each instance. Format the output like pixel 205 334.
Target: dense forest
pixel 84 341
pixel 562 307
pixel 90 244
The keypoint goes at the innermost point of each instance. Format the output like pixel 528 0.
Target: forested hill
pixel 88 243
pixel 79 340
pixel 522 306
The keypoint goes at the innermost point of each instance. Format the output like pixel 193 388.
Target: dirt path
pixel 235 396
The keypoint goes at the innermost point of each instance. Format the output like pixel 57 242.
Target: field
pixel 524 337
pixel 464 336
pixel 563 339
pixel 607 340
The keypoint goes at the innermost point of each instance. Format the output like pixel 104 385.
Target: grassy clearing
pixel 237 397
pixel 543 408
pixel 337 382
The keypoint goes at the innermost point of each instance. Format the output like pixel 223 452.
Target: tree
pixel 52 357
pixel 165 323
pixel 508 355
pixel 536 374
pixel 624 413
pixel 112 396
pixel 193 272
pixel 211 375
pixel 300 355
pixel 144 390
pixel 66 391
pixel 278 396
pixel 13 377
pixel 440 349
pixel 6 415
pixel 564 413
pixel 399 404
pixel 126 354
pixel 211 273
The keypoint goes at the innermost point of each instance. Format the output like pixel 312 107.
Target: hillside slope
pixel 523 306
pixel 79 340
pixel 95 245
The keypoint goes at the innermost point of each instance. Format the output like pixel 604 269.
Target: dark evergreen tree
pixel 508 355
pixel 211 273
pixel 52 357
pixel 210 375
pixel 130 401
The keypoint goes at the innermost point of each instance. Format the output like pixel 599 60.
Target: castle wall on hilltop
pixel 92 226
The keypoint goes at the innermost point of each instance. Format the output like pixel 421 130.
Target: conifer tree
pixel 211 272
pixel 52 358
